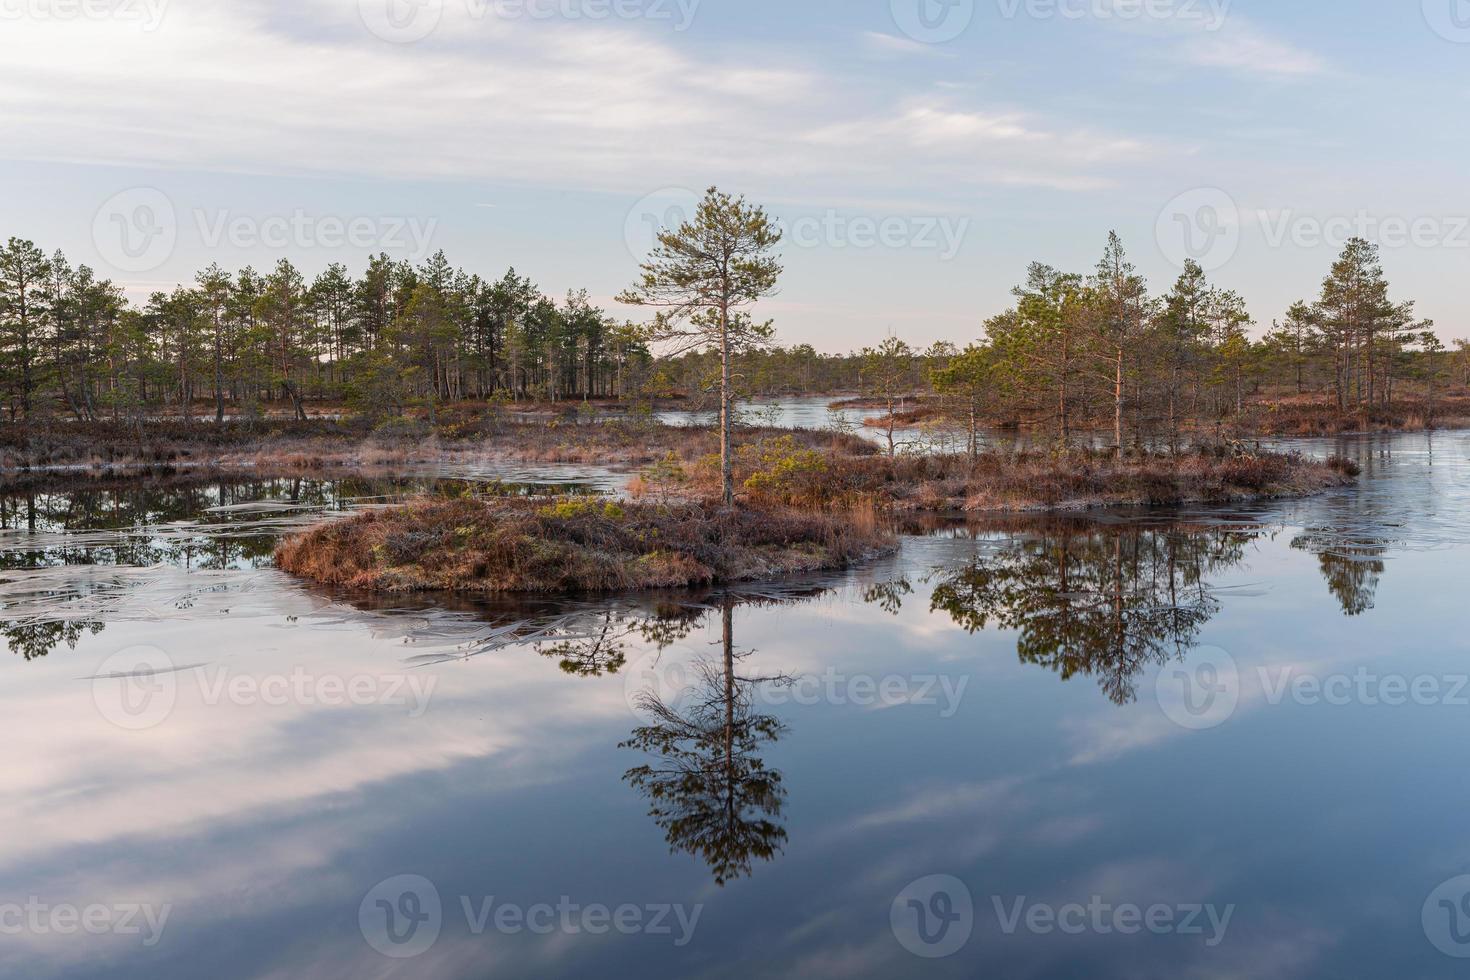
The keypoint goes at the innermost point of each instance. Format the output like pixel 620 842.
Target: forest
pixel 1092 351
pixel 395 338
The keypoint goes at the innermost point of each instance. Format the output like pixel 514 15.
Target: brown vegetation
pixel 1318 415
pixel 781 471
pixel 321 445
pixel 584 545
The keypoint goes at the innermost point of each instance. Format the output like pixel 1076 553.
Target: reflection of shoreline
pixel 1108 600
pixel 1105 601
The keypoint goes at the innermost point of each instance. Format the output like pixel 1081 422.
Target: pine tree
pixel 702 277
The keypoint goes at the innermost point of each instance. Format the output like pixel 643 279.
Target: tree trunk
pixel 1118 406
pixel 727 462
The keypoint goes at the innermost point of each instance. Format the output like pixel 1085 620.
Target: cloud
pixel 1247 50
pixel 1008 147
pixel 242 87
pixel 888 45
pixel 1211 35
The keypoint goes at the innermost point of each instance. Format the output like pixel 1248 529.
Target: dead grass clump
pixel 1000 481
pixel 583 545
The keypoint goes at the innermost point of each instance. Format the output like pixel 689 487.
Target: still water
pixel 1213 743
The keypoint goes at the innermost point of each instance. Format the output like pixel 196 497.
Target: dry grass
pixel 1153 480
pixel 585 545
pixel 1318 415
pixel 997 481
pixel 324 445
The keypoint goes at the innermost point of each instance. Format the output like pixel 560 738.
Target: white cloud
pixel 1006 148
pixel 1247 50
pixel 226 86
pixel 889 45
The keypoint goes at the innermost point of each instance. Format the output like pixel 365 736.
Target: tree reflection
pixel 1094 600
pixel 1352 566
pixel 33 639
pixel 708 788
pixel 710 791
pixel 142 523
pixel 603 648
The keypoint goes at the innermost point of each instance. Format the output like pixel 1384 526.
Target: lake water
pixel 1215 743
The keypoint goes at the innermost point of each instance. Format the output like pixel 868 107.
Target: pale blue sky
pixel 918 162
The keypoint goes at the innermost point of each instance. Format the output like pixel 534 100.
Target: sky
pixel 918 154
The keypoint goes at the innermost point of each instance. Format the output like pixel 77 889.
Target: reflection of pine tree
pixel 710 792
pixel 1352 567
pixel 36 639
pixel 1096 601
pixel 599 650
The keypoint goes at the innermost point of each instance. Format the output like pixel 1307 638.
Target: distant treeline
pixel 398 335
pixel 1098 351
pixel 1075 351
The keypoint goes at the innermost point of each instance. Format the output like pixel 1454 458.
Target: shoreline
pixel 810 469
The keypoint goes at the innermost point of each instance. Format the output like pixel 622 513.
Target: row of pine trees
pixel 71 345
pixel 1076 351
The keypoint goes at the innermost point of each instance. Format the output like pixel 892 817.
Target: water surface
pixel 1251 712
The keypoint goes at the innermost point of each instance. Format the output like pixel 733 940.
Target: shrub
pixel 782 472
